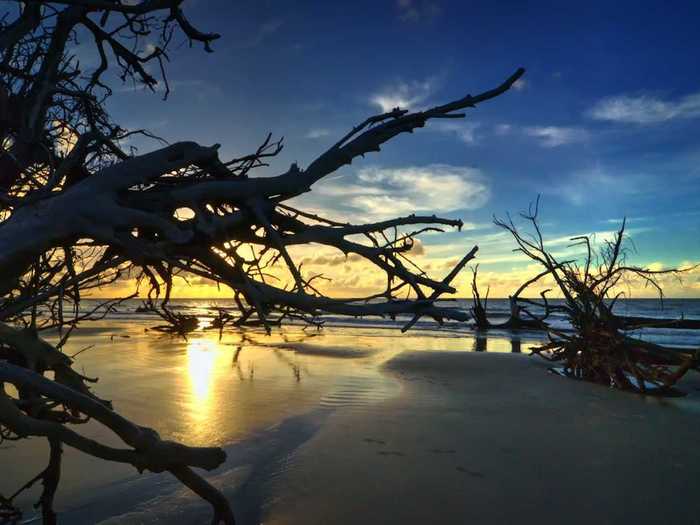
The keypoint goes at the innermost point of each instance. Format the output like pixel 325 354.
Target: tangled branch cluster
pixel 78 212
pixel 599 349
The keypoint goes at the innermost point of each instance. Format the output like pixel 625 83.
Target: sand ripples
pixel 360 392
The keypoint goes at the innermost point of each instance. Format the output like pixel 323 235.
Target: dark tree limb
pixel 80 211
pixel 599 350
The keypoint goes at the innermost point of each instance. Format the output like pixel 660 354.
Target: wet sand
pixel 487 438
pixel 359 427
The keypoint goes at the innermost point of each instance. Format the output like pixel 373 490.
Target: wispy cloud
pixel 553 136
pixel 406 95
pixel 334 259
pixel 317 133
pixel 627 220
pixel 645 109
pixel 547 136
pixel 502 129
pixel 498 250
pixel 464 131
pixel 421 189
pixel 418 10
pixel 581 187
pixel 376 192
pixel 262 33
pixel 520 84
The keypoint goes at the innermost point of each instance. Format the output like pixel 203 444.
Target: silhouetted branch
pixel 598 349
pixel 79 212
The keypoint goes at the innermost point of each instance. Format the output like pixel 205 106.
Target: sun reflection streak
pixel 201 357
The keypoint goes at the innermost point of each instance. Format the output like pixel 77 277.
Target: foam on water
pixel 497 309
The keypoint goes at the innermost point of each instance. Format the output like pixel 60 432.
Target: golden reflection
pixel 204 322
pixel 201 358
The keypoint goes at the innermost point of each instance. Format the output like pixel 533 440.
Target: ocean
pixel 497 309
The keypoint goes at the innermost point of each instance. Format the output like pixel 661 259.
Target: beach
pixel 492 439
pixel 390 263
pixel 363 424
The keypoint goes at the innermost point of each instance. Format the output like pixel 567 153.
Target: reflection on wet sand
pixel 201 354
pixel 515 346
pixel 482 343
pixel 211 391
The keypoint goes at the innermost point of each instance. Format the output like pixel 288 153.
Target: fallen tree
pixel 520 317
pixel 599 349
pixel 79 212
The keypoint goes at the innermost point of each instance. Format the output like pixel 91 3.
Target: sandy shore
pixel 320 433
pixel 483 438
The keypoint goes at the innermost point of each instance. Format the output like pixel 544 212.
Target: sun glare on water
pixel 201 358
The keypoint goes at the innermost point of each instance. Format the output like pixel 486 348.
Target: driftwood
pixel 520 317
pixel 626 322
pixel 79 212
pixel 478 309
pixel 599 350
pixel 176 323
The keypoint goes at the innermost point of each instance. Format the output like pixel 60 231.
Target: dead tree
pixel 78 212
pixel 598 349
pixel 520 316
pixel 478 309
pixel 175 322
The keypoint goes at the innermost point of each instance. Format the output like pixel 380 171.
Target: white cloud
pixel 405 95
pixel 149 49
pixel 463 130
pixel 388 192
pixel 520 84
pixel 347 190
pixel 553 136
pixel 645 109
pixel 627 220
pixel 585 186
pixel 503 129
pixel 317 133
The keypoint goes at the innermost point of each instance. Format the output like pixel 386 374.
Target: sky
pixel 605 124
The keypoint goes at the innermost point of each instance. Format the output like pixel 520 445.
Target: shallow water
pixel 206 391
pixel 261 397
pixel 497 310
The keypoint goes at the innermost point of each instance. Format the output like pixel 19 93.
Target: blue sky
pixel 606 123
